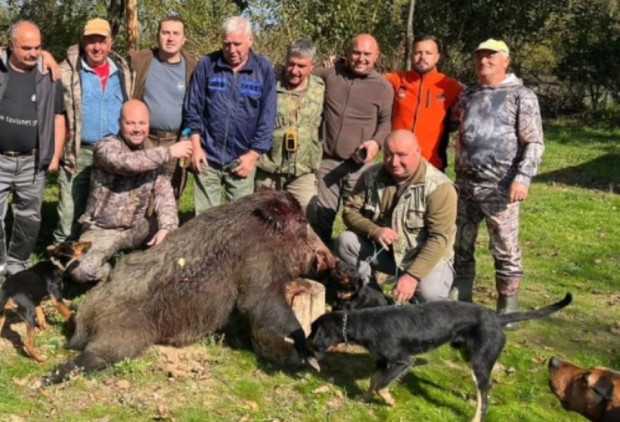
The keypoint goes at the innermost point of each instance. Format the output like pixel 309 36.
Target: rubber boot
pixel 507 305
pixel 462 290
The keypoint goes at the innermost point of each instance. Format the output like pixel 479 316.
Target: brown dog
pixel 594 392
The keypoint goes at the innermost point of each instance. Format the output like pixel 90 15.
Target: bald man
pixel 131 203
pixel 401 220
pixel 357 115
pixel 32 132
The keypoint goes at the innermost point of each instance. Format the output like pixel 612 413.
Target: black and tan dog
pixel 393 334
pixel 23 292
pixel 594 392
pixel 351 292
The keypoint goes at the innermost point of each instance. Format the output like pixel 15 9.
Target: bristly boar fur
pixel 240 254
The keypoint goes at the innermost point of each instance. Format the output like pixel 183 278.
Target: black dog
pixel 23 292
pixel 350 290
pixel 395 333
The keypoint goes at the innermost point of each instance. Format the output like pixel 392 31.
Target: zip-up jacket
pixel 125 181
pixel 232 112
pixel 357 108
pixel 300 111
pixel 423 215
pixel 72 89
pixel 45 90
pixel 500 134
pixel 140 61
pixel 421 105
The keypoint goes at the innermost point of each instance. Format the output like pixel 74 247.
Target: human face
pixel 402 155
pixel 237 48
pixel 134 123
pixel 170 38
pixel 297 70
pixel 491 66
pixel 25 47
pixel 96 49
pixel 424 56
pixel 363 54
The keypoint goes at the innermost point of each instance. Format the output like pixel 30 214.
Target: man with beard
pixel 128 181
pixel 422 100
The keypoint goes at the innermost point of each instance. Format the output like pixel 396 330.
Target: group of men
pixel 314 131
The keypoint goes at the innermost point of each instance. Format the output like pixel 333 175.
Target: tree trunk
pixel 133 31
pixel 409 40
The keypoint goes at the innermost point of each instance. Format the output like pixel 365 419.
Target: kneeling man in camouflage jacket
pixel 131 200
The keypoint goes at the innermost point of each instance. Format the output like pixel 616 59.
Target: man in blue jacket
pixel 230 108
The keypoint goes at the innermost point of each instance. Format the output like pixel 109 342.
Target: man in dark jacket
pixel 32 132
pixel 230 108
pixel 357 117
pixel 162 76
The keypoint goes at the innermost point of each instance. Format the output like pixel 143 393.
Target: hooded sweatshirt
pixel 500 134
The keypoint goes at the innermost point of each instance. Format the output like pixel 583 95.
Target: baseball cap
pixel 493 45
pixel 97 26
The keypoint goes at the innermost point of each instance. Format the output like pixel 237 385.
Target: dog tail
pixel 538 313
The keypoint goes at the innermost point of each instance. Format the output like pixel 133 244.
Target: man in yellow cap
pixel 499 148
pixel 96 82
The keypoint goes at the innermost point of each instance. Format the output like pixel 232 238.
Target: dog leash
pixel 345 316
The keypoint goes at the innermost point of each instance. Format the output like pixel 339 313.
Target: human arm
pixel 113 155
pixel 60 134
pixel 50 64
pixel 530 137
pixel 193 111
pixel 384 116
pixel 165 209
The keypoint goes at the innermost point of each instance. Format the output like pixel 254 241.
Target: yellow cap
pixel 97 26
pixel 493 45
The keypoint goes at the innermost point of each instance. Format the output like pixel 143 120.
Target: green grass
pixel 569 237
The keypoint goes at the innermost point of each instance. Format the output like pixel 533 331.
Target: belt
pixel 163 133
pixel 32 152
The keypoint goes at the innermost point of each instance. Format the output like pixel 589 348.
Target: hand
pixel 50 64
pixel 329 62
pixel 405 288
pixel 198 155
pixel 384 236
pixel 247 162
pixel 517 192
pixel 371 147
pixel 158 238
pixel 181 149
pixel 54 165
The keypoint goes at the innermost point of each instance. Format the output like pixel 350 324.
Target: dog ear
pixel 601 385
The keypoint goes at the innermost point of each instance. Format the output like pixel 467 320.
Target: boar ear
pixel 278 212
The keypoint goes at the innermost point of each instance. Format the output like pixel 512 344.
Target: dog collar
pixel 345 316
pixel 57 263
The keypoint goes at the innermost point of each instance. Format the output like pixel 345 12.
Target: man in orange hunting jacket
pixel 422 99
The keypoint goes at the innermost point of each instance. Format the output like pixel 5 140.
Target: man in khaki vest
pixel 401 220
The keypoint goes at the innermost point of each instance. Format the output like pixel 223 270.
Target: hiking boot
pixel 508 305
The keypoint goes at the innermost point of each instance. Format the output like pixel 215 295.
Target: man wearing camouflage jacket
pixel 131 199
pixel 498 151
pixel 296 149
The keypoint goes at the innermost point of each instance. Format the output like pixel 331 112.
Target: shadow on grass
pixel 602 173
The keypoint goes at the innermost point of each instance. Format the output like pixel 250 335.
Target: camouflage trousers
pixel 502 220
pixel 94 265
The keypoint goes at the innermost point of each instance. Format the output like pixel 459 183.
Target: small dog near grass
pixel 594 392
pixel 350 290
pixel 394 333
pixel 23 292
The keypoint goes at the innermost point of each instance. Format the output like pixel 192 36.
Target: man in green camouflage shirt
pixel 131 200
pixel 296 149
